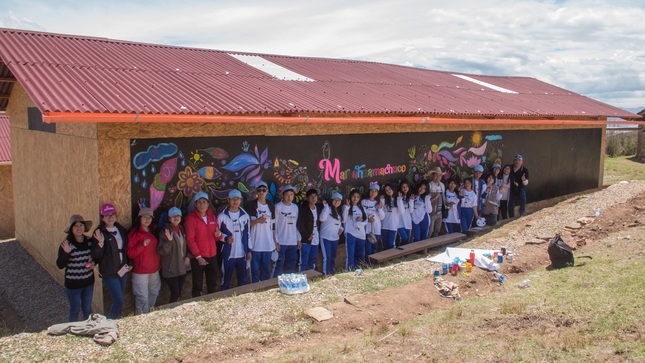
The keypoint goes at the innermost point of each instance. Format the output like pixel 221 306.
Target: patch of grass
pixel 513 307
pixel 622 168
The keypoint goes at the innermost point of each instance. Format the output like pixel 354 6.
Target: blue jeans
pixel 370 248
pixel 329 255
pixel 452 227
pixel 230 264
pixel 405 235
pixel 420 231
pixel 308 257
pixel 115 287
pixel 286 260
pixel 467 216
pixel 355 251
pixel 518 198
pixel 389 239
pixel 260 266
pixel 80 299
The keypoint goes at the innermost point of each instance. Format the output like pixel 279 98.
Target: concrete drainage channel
pixel 30 299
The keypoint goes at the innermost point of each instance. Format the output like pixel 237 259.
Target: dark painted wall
pixel 168 172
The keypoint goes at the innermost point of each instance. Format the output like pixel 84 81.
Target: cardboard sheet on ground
pixel 451 253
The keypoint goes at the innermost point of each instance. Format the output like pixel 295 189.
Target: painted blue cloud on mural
pixel 154 153
pixel 493 137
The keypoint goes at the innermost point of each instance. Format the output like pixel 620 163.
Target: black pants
pixel 503 209
pixel 198 275
pixel 175 284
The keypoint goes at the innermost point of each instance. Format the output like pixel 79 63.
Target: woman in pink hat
pixel 109 251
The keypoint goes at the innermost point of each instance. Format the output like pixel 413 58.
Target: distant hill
pixel 634 109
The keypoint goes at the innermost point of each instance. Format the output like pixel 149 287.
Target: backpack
pixel 561 254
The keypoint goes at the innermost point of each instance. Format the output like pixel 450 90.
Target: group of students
pixel 269 239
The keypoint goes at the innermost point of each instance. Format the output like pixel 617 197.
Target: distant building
pixel 96 120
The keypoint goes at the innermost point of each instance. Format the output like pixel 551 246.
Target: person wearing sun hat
pixel 261 237
pixel 174 254
pixel 520 179
pixel 234 224
pixel 109 251
pixel 202 234
pixel 437 199
pixel 75 256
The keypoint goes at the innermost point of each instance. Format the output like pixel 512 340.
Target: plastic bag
pixel 292 284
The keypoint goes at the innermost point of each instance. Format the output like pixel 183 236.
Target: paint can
pixel 503 250
pixel 509 256
pixel 436 274
pixel 455 269
pixel 500 258
pixel 444 269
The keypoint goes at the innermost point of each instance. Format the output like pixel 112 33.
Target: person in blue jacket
pixel 234 224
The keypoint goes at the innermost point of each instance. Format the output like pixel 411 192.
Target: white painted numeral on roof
pixel 485 84
pixel 270 68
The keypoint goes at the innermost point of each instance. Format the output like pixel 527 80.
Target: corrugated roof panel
pixel 5 140
pixel 82 74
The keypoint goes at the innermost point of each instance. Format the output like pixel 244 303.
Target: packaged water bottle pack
pixel 291 284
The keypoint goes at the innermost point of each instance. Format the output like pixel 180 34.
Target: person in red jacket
pixel 202 233
pixel 142 249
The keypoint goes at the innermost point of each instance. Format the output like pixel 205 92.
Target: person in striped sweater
pixel 75 256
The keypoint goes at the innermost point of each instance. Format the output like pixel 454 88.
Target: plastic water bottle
pixel 499 277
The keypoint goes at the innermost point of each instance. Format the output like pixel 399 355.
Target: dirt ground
pixel 384 310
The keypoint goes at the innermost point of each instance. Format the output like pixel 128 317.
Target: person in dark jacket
pixel 174 254
pixel 109 251
pixel 307 224
pixel 75 256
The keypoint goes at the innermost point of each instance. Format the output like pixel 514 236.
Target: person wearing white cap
pixel 355 221
pixel 234 224
pixel 375 214
pixel 174 254
pixel 331 228
pixel 421 211
pixel 288 238
pixel 202 232
pixel 262 239
pixel 520 179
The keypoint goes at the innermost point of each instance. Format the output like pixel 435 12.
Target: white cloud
pixel 590 47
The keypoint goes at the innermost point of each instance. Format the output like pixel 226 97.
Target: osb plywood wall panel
pixel 114 176
pixel 7 224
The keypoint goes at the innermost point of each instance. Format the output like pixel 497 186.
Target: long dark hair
pixel 424 182
pixel 336 212
pixel 389 201
pixel 136 226
pixel 359 205
pixel 406 196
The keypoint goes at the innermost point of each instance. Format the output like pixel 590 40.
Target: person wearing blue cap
pixel 174 254
pixel 202 234
pixel 234 224
pixel 287 235
pixel 331 229
pixel 308 214
pixel 375 214
pixel 262 240
pixel 520 179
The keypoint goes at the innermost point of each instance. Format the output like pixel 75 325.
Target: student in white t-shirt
pixel 262 240
pixel 374 209
pixel 287 236
pixel 355 221
pixel 331 228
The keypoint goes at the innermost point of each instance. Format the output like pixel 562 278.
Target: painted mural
pixel 169 172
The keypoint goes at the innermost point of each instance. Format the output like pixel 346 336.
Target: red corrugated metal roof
pixel 5 140
pixel 72 74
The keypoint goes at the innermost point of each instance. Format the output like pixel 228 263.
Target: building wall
pixel 7 219
pixel 55 175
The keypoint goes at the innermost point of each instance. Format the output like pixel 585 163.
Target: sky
pixel 595 48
